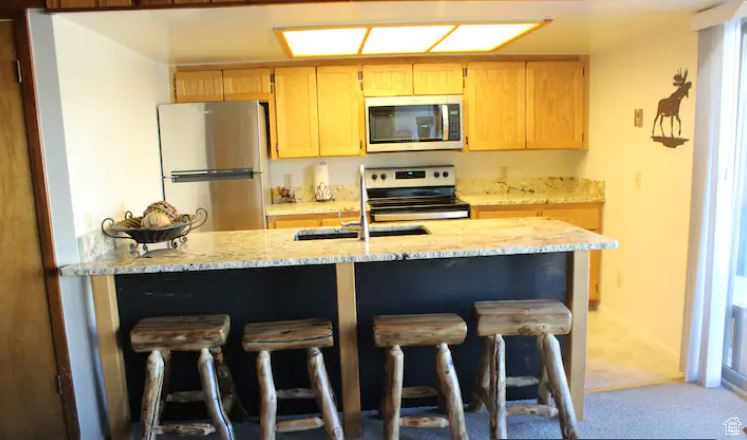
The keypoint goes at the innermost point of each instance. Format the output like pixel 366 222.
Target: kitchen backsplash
pixel 541 185
pixel 536 185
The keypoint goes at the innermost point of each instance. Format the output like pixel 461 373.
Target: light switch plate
pixel 638 117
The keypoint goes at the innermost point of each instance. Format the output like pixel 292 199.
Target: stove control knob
pixel 374 176
pixel 446 174
pixel 383 176
pixel 436 174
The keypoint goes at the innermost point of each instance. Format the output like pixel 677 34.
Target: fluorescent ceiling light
pixel 324 42
pixel 482 37
pixel 403 39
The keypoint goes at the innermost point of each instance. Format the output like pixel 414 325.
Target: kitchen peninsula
pixel 262 275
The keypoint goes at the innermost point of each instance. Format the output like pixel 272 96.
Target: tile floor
pixel 616 360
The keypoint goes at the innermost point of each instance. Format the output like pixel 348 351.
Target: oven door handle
pixel 405 216
pixel 445 119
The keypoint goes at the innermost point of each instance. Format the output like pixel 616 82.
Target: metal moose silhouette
pixel 670 107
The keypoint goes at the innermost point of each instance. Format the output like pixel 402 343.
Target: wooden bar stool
pixel 199 333
pixel 439 330
pixel 541 318
pixel 311 335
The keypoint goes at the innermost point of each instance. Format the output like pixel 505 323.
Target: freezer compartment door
pixel 220 135
pixel 232 204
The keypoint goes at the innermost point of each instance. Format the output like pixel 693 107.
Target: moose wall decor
pixel 670 107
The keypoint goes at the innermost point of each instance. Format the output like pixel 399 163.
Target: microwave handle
pixel 445 119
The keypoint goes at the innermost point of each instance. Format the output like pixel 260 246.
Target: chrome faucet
pixel 362 224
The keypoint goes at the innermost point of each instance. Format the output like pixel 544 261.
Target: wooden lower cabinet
pixel 585 215
pixel 503 213
pixel 308 220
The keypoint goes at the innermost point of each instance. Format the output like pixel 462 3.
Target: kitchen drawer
pixel 587 218
pixel 297 223
pixel 505 213
pixel 335 222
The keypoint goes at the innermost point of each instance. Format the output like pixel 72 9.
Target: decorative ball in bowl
pixel 160 222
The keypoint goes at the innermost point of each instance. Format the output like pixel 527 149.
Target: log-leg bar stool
pixel 162 335
pixel 439 330
pixel 311 335
pixel 541 318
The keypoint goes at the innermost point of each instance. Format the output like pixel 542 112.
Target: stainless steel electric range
pixel 414 193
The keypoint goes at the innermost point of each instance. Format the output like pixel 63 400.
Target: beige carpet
pixel 670 411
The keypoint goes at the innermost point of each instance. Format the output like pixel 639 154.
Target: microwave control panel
pixel 454 122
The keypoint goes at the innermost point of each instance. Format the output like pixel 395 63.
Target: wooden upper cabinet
pixel 387 80
pixel 296 108
pixel 198 86
pixel 340 105
pixel 555 104
pixel 495 99
pixel 246 83
pixel 437 79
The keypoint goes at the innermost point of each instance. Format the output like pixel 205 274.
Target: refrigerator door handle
pixel 211 175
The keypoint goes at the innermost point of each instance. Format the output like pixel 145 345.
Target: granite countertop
pixel 277 247
pixel 527 198
pixel 303 208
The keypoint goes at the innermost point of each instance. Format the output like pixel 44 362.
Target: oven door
pixel 411 123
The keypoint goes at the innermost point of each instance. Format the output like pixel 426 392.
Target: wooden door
pixel 296 108
pixel 340 105
pixel 505 213
pixel 297 223
pixel 496 105
pixel 555 104
pixel 246 84
pixel 198 86
pixel 387 80
pixel 437 79
pixel 30 405
pixel 588 218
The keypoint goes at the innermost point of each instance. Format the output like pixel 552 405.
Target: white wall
pixel 503 164
pixel 647 184
pixel 96 103
pixel 109 95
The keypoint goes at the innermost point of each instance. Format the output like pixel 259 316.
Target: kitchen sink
pixel 331 234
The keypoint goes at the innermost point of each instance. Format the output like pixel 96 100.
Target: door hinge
pixel 360 79
pixel 272 82
pixel 360 145
pixel 466 140
pixel 58 382
pixel 277 148
pixel 464 71
pixel 19 74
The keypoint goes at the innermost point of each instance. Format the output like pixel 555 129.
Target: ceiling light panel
pixel 403 39
pixel 324 42
pixel 482 37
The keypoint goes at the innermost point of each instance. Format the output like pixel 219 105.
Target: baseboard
pixel 673 355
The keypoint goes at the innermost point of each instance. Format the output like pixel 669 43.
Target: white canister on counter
pixel 322 191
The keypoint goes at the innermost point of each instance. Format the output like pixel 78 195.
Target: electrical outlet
pixel 638 117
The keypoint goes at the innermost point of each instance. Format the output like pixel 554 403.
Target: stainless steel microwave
pixel 413 123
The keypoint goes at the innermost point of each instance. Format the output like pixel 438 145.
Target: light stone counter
pixel 304 208
pixel 277 247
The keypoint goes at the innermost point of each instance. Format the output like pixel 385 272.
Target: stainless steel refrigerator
pixel 214 156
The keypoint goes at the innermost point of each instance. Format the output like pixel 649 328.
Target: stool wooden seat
pixel 204 334
pixel 439 330
pixel 180 333
pixel 541 318
pixel 308 334
pixel 287 335
pixel 419 330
